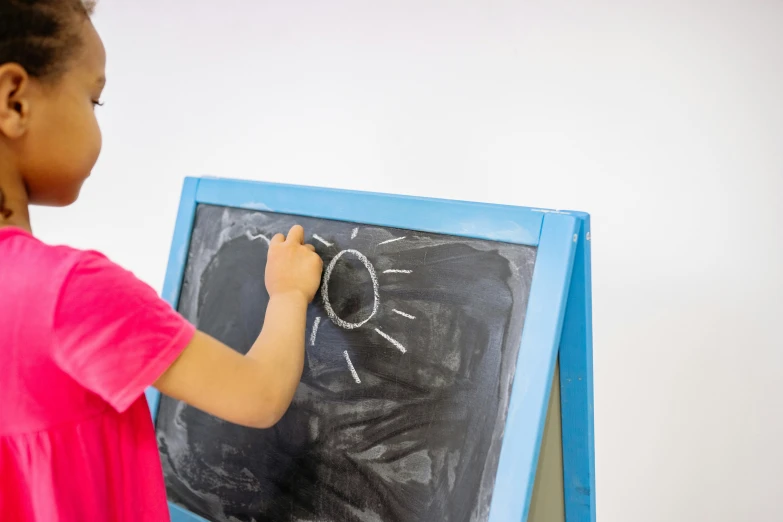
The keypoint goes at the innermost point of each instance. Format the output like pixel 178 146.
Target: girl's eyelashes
pixel 97 103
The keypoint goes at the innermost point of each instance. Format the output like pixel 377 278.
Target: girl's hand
pixel 292 267
pixel 255 389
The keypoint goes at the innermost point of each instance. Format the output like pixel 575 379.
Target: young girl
pixel 81 338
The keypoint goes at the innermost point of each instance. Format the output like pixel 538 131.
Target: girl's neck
pixel 14 211
pixel 13 214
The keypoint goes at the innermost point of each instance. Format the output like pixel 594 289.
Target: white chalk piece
pixel 407 316
pixel 391 240
pixel 350 367
pixel 321 240
pixel 391 340
pixel 325 290
pixel 316 323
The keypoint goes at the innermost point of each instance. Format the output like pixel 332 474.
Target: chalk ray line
pixel 350 367
pixel 391 240
pixel 407 316
pixel 322 240
pixel 394 342
pixel 316 323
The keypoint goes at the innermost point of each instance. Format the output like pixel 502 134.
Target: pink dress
pixel 80 340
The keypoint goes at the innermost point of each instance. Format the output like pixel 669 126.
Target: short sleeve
pixel 113 334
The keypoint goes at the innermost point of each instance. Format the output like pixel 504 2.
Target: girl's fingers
pixel 279 238
pixel 296 234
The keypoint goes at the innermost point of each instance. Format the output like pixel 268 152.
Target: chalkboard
pixel 411 352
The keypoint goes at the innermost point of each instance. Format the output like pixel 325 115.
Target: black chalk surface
pixel 403 400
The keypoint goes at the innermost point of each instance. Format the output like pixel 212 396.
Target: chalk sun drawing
pixel 328 304
pixel 325 290
pixel 348 325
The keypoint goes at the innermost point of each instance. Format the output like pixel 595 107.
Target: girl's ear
pixel 14 100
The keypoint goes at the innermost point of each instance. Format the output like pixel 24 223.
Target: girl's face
pixel 55 139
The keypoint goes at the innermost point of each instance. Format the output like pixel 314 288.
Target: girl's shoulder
pixel 19 245
pixel 29 263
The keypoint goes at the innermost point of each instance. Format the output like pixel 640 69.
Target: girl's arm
pixel 255 389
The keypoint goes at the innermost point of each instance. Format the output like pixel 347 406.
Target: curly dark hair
pixel 40 36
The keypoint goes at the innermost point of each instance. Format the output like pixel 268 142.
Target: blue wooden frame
pixel 558 321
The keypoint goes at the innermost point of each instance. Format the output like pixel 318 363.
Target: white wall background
pixel 662 119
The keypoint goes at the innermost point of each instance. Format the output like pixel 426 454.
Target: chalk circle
pixel 325 290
